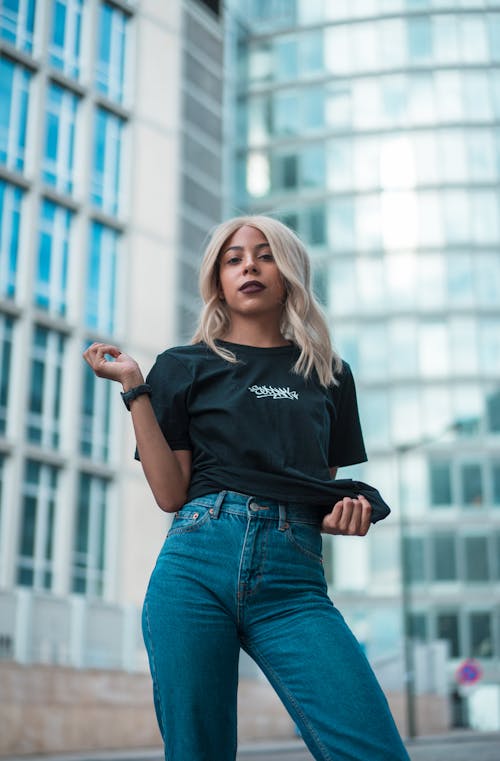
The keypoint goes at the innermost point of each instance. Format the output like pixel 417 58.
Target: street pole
pixel 408 654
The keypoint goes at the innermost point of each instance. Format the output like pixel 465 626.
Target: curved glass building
pixel 373 129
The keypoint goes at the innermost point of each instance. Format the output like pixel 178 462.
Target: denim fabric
pixel 237 571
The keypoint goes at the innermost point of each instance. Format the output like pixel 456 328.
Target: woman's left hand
pixel 350 517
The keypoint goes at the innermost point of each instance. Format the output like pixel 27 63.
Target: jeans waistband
pixel 260 507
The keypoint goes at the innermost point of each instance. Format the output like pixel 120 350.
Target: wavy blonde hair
pixel 302 320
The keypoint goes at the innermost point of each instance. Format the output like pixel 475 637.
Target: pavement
pixel 463 745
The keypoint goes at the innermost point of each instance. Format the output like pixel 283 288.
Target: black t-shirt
pixel 256 427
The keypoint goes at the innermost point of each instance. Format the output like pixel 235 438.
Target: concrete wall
pixel 48 709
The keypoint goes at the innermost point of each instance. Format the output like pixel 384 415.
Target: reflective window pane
pixel 6 339
pixel 45 388
pixel 447 628
pixel 57 166
pixel 100 314
pixel 420 44
pixel 472 484
pixel 53 251
pixel 477 567
pixel 444 557
pixel 112 43
pixel 64 45
pixel 481 635
pixel 95 417
pixel 440 483
pixel 35 557
pixel 89 540
pixel 414 558
pixel 17 19
pixel 10 216
pixel 14 86
pixel 106 171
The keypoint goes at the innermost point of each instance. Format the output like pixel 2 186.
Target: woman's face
pixel 249 280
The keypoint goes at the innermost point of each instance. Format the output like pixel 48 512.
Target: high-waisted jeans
pixel 237 571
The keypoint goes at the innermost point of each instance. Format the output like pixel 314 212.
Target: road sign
pixel 469 672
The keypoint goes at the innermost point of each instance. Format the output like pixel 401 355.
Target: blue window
pixel 6 331
pixel 60 118
pixel 110 67
pixel 105 189
pixel 89 542
pixel 64 46
pixel 10 214
pixel 17 19
pixel 36 539
pixel 101 279
pixel 44 404
pixel 52 270
pixel 96 414
pixel 14 85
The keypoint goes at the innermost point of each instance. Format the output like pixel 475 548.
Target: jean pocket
pixel 306 538
pixel 189 518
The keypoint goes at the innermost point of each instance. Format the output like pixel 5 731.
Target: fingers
pixel 350 517
pixel 95 356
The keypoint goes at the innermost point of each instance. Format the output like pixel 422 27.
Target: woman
pixel 240 434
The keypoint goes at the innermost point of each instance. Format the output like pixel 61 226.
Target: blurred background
pixel 127 131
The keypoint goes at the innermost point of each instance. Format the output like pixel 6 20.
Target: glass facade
pixel 60 278
pixel 372 129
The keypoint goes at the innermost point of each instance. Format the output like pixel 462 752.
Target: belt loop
pixel 283 523
pixel 215 510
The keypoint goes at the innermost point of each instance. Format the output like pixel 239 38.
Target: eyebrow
pixel 240 248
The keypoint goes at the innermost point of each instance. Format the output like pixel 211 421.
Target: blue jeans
pixel 236 572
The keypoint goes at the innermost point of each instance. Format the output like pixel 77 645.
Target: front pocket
pixel 306 538
pixel 189 519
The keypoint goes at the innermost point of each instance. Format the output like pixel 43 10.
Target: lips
pixel 252 286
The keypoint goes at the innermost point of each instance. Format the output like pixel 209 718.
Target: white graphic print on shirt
pixel 276 393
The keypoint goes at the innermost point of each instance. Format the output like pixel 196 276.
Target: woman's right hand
pixel 121 368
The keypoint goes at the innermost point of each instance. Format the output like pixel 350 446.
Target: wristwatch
pixel 133 393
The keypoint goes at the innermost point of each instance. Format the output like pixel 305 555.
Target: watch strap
pixel 133 393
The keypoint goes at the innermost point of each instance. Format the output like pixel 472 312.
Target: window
pixel 417 626
pixel 419 38
pixel 52 270
pixel 110 67
pixel 17 18
pixel 493 411
pixel 481 635
pixel 286 58
pixel 35 551
pixel 101 279
pixel 472 485
pixel 447 628
pixel 444 557
pixel 106 164
pixel 414 558
pixel 316 233
pixel 64 46
pixel 14 84
pixel 89 541
pixel 286 113
pixel 312 163
pixel 44 404
pixel 477 566
pixel 10 215
pixel 495 472
pixel 6 338
pixel 95 411
pixel 57 167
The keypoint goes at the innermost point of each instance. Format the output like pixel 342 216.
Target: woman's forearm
pixel 161 467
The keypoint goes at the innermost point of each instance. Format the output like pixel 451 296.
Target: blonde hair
pixel 302 320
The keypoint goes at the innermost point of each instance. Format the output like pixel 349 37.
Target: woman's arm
pixel 350 517
pixel 168 472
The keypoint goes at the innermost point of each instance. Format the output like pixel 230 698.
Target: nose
pixel 250 265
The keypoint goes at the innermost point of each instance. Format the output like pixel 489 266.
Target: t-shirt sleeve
pixel 346 445
pixel 170 382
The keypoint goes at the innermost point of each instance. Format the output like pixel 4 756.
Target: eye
pixel 267 257
pixel 233 260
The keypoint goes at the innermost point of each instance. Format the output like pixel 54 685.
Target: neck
pixel 253 333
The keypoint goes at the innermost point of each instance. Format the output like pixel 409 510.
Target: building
pixel 110 156
pixel 373 129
